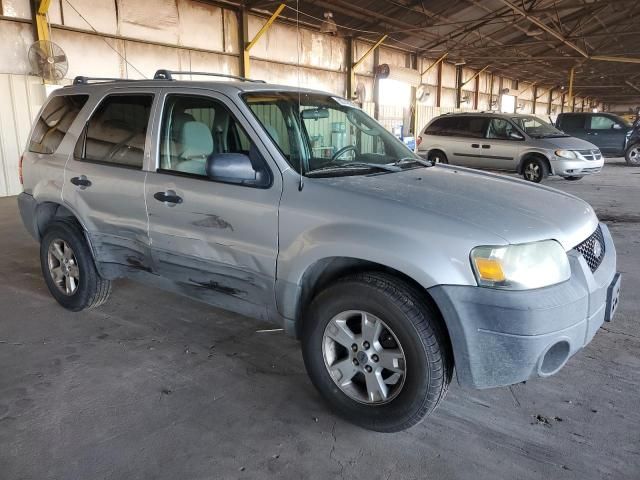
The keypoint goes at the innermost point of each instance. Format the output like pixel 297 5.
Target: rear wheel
pixel 534 170
pixel 68 267
pixel 632 155
pixel 436 156
pixel 376 352
pixel 573 178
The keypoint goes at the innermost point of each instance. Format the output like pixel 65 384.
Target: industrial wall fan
pixel 48 60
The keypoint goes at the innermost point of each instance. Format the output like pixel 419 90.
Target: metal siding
pixel 25 95
pixel 15 39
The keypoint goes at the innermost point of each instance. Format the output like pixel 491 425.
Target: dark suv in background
pixel 612 134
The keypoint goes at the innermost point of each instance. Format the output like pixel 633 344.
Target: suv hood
pixel 568 143
pixel 515 210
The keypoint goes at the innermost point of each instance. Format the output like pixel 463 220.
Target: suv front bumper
pixel 502 337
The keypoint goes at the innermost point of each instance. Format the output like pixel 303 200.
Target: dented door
pixel 216 241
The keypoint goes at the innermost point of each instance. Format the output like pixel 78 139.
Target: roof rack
pixel 168 75
pixel 81 80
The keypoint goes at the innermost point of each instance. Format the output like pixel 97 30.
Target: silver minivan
pixel 518 143
pixel 297 208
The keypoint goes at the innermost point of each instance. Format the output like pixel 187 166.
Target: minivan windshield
pixel 537 128
pixel 328 136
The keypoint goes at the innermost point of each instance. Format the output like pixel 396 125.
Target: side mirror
pixel 513 135
pixel 235 168
pixel 616 126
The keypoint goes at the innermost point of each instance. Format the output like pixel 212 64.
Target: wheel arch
pixel 324 271
pixel 48 211
pixel 529 155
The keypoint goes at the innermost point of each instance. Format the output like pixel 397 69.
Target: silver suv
pixel 389 270
pixel 517 143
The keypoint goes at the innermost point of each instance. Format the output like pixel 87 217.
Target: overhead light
pixel 328 24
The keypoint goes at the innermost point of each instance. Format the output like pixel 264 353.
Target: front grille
pixel 591 170
pixel 590 154
pixel 592 249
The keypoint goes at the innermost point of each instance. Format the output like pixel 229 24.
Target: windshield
pixel 328 135
pixel 536 127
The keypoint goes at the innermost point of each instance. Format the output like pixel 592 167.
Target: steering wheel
pixel 342 151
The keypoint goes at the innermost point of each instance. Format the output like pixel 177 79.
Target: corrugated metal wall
pixel 22 97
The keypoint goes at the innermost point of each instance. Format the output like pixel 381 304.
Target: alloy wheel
pixel 532 172
pixel 364 357
pixel 634 155
pixel 63 267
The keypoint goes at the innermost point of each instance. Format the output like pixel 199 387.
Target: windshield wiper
pixel 355 165
pixel 412 160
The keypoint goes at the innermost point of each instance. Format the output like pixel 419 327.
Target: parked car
pixel 516 143
pixel 611 133
pixel 389 270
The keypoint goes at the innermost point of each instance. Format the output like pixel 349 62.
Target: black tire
pixel 91 290
pixel 419 330
pixel 437 156
pixel 632 155
pixel 573 179
pixel 534 170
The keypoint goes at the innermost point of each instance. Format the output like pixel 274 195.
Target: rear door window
pixel 54 121
pixel 473 127
pixel 116 132
pixel 572 122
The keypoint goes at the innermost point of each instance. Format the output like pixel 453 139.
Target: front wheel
pixel 632 155
pixel 436 156
pixel 534 170
pixel 377 352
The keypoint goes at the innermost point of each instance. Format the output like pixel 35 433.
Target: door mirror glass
pixel 235 168
pixel 513 135
pixel 616 126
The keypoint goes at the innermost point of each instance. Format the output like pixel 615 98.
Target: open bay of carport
pixel 153 385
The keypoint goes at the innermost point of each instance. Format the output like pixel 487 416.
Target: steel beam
pixel 571 75
pixel 246 62
pixel 351 67
pixel 42 24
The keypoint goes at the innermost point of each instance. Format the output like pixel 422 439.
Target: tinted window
pixel 600 122
pixel 116 132
pixel 500 129
pixel 196 128
pixel 54 121
pixel 473 127
pixel 572 122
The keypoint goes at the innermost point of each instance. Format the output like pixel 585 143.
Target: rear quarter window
pixel 571 122
pixel 54 121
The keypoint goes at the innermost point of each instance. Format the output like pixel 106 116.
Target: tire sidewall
pixel 442 157
pixel 541 166
pixel 359 296
pixel 627 156
pixel 73 236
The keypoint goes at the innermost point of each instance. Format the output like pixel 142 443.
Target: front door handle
pixel 81 181
pixel 486 146
pixel 168 197
pixel 475 145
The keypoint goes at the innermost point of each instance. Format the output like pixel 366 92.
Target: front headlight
pixel 566 154
pixel 521 267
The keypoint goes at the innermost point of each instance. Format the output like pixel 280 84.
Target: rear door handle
pixel 168 197
pixel 81 181
pixel 486 146
pixel 475 145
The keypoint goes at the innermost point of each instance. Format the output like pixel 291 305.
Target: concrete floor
pixel 152 385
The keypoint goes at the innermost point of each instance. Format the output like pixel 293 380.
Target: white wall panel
pixel 368 87
pixel 308 78
pixel 137 20
pixel 16 8
pixel 359 49
pixel 448 97
pixel 149 58
pixel 200 25
pixel 100 14
pixel 23 95
pixel 102 61
pixel 393 57
pixel 431 77
pixel 231 41
pixel 15 39
pixel 214 62
pixel 448 75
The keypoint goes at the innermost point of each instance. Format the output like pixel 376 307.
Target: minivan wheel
pixel 436 156
pixel 68 267
pixel 534 170
pixel 376 351
pixel 632 155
